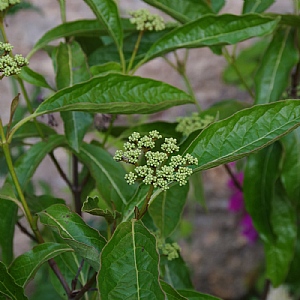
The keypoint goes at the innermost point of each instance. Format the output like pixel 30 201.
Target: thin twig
pixel 76 188
pixel 75 280
pixel 26 232
pixel 234 179
pixel 266 290
pixel 85 288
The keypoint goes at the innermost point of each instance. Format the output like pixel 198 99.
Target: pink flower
pixel 236 204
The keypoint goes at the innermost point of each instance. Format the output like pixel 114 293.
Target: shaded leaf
pixel 91 206
pixel 26 165
pixel 108 174
pixel 170 292
pixel 176 273
pixel 71 68
pixel 290 174
pixel 167 207
pixel 8 219
pixel 129 264
pixel 213 30
pixel 107 13
pixel 257 6
pixel 193 295
pixel 34 78
pixel 24 266
pixel 29 130
pixel 261 173
pixel 8 286
pixel 182 10
pixel 39 203
pixel 280 253
pixel 273 74
pixel 116 94
pixel 246 131
pixel 85 240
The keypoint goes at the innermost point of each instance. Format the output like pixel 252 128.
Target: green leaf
pixel 8 286
pixel 217 5
pixel 290 174
pixel 75 28
pixel 110 52
pixel 110 67
pixel 24 267
pixel 29 130
pixel 8 219
pixel 129 264
pixel 34 78
pixel 293 275
pixel 176 273
pixel 26 165
pixel 71 68
pixel 167 207
pixel 213 30
pixel 193 295
pixel 107 13
pixel 170 292
pixel 280 253
pixel 108 174
pixel 256 6
pixel 182 10
pixel 272 77
pixel 85 240
pixel 116 94
pixel 261 173
pixel 246 131
pixel 39 203
pixel 91 206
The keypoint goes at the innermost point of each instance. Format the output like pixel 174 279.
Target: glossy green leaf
pixel 34 78
pixel 176 273
pixel 91 206
pixel 8 219
pixel 8 286
pixel 280 253
pixel 170 292
pixel 246 131
pixel 71 68
pixel 182 10
pixel 261 173
pixel 129 264
pixel 24 266
pixel 213 30
pixel 193 295
pixel 116 94
pixel 272 77
pixel 85 240
pixel 107 13
pixel 167 207
pixel 108 174
pixel 256 6
pixel 290 174
pixel 26 165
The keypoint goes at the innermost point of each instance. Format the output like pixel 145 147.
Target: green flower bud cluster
pixel 155 171
pixel 4 4
pixel 144 20
pixel 10 65
pixel 186 125
pixel 170 250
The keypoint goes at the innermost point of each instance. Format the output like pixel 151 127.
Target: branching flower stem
pixel 135 50
pixel 144 208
